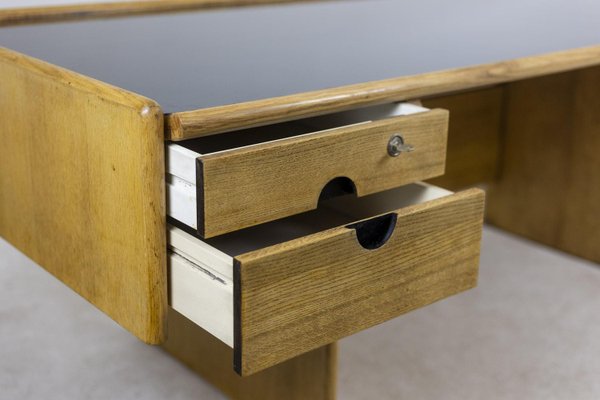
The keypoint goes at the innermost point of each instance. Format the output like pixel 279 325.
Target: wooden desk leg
pixel 549 186
pixel 309 376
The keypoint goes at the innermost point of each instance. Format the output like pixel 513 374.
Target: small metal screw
pixel 396 146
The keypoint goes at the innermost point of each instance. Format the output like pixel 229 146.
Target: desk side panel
pixel 82 190
pixel 549 184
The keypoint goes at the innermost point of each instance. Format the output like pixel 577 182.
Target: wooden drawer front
pixel 246 186
pixel 300 294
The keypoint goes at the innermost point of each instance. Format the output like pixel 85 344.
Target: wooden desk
pixel 526 127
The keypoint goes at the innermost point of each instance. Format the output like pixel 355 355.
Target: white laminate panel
pixel 203 298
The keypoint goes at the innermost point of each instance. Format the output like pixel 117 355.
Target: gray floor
pixel 531 330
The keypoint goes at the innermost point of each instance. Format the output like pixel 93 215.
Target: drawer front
pixel 260 183
pixel 300 295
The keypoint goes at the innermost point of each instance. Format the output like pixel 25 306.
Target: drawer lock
pixel 396 146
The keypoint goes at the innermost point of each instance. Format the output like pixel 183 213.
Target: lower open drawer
pixel 280 289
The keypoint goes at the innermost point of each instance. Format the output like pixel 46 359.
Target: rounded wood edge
pixel 173 128
pixel 58 13
pixel 145 106
pixel 152 138
pixel 214 120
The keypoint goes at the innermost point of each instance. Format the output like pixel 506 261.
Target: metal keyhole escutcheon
pixel 396 146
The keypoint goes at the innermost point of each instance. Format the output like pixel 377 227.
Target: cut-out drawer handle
pixel 375 232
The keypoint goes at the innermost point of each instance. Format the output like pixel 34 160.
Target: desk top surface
pixel 203 59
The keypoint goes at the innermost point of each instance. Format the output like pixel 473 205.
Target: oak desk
pixel 83 172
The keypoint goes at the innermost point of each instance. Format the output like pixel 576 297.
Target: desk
pixel 504 126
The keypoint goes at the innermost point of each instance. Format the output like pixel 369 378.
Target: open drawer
pixel 222 183
pixel 280 289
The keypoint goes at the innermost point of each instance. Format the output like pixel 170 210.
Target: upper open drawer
pixel 283 288
pixel 219 184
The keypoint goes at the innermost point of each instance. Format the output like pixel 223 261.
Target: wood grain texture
pixel 209 121
pixel 299 295
pixel 549 188
pixel 261 183
pixel 309 376
pixel 29 15
pixel 82 188
pixel 473 137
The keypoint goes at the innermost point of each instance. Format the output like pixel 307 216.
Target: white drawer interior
pixel 181 157
pixel 201 271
